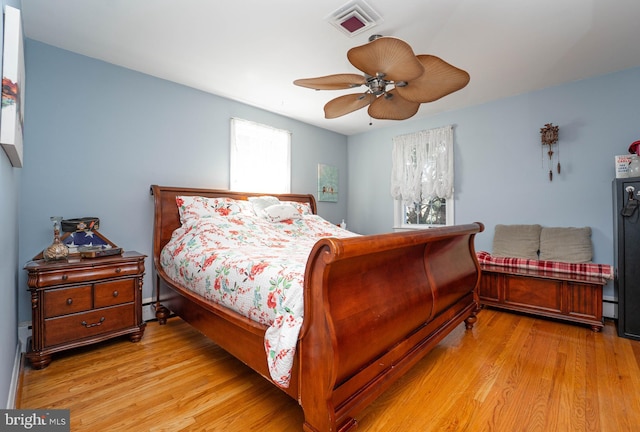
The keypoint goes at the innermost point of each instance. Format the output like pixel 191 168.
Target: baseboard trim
pixel 148 309
pixel 15 377
pixel 24 333
pixel 610 309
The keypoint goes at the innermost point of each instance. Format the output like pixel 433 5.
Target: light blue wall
pixel 500 170
pixel 9 267
pixel 99 135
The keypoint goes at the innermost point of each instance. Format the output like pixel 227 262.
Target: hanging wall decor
pixel 549 137
pixel 327 183
pixel 12 112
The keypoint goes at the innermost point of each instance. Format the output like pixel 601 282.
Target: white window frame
pixel 399 223
pixel 260 158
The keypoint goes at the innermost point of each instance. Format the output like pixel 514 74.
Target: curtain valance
pixel 423 165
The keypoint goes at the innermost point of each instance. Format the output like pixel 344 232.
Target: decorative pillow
pixel 194 207
pixel 572 245
pixel 517 241
pixel 281 212
pixel 302 208
pixel 246 207
pixel 262 202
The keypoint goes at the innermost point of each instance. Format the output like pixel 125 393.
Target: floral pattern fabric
pixel 252 266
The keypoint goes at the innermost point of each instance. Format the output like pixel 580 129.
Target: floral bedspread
pixel 252 265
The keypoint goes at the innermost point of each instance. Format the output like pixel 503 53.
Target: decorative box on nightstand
pixel 78 302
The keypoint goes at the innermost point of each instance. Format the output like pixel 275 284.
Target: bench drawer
pixel 534 293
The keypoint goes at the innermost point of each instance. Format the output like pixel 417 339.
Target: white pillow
pixel 303 208
pixel 196 207
pixel 281 212
pixel 262 202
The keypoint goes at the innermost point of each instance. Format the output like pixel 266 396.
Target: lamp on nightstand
pixel 57 250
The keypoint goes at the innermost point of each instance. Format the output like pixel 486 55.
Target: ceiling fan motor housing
pixel 387 61
pixel 377 85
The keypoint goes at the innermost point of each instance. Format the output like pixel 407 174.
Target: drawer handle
pixel 115 293
pixel 118 270
pixel 69 301
pixel 84 323
pixel 65 277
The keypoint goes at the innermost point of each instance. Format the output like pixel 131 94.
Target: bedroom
pixel 98 135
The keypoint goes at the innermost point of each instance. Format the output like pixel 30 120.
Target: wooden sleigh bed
pixel 373 306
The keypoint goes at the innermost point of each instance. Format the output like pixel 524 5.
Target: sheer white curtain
pixel 260 159
pixel 423 165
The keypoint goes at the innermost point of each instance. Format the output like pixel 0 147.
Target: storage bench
pixel 569 291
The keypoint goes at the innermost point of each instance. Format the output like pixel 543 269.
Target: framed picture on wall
pixel 13 78
pixel 327 183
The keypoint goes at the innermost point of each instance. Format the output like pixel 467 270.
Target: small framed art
pixel 327 183
pixel 12 87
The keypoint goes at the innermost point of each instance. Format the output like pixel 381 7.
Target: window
pixel 260 159
pixel 422 179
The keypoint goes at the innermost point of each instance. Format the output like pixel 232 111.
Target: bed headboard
pixel 167 219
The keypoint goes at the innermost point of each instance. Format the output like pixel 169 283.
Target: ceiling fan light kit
pixel 397 80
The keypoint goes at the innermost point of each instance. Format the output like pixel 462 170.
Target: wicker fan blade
pixel 387 55
pixel 332 82
pixel 439 79
pixel 345 104
pixel 393 107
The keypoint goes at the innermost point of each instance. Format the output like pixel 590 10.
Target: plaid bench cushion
pixel 586 269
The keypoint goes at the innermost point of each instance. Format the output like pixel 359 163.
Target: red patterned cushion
pixel 587 269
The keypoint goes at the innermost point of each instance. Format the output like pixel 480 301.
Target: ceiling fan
pixel 397 80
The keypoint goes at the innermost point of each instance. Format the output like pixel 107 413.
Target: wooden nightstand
pixel 83 301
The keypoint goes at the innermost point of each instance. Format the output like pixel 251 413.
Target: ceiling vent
pixel 354 18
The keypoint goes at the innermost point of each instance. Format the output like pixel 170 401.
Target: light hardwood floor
pixel 510 373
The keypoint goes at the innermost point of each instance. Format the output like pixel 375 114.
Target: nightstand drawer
pixel 69 276
pixel 66 301
pixel 114 292
pixel 83 325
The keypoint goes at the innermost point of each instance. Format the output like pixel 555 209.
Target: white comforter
pixel 251 263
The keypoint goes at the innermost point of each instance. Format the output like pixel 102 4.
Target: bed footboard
pixel 374 306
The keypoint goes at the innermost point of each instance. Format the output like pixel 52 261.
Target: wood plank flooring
pixel 510 373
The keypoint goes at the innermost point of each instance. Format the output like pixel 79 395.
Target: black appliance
pixel 626 237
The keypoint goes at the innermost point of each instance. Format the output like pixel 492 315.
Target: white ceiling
pixel 252 50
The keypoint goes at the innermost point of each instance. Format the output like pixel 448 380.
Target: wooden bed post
pixel 317 354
